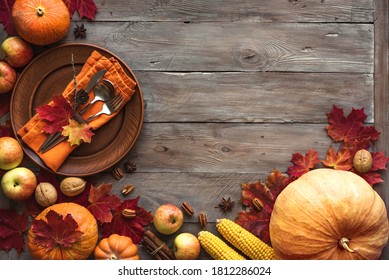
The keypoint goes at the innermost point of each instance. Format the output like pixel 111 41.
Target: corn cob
pixel 245 241
pixel 217 248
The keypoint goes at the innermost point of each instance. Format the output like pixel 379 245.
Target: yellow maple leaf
pixel 77 132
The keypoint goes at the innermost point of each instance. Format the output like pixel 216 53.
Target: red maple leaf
pixel 12 227
pixel 103 202
pixel 255 221
pixel 5 16
pixel 5 100
pixel 302 164
pixel 56 231
pixel 350 128
pixel 85 8
pixel 56 115
pixel 341 160
pixel 134 228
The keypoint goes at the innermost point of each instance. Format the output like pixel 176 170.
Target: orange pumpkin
pixel 41 22
pixel 116 247
pixel 329 214
pixel 80 249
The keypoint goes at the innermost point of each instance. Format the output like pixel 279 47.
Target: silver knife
pixel 91 84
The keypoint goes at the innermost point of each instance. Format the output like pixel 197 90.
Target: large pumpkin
pixel 79 249
pixel 41 22
pixel 329 214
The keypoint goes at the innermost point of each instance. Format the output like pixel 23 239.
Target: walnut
pixel 45 194
pixel 72 186
pixel 363 161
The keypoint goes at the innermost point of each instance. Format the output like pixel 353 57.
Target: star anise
pixel 226 205
pixel 80 31
pixel 130 166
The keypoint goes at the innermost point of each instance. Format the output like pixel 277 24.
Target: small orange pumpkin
pixel 80 249
pixel 41 22
pixel 116 247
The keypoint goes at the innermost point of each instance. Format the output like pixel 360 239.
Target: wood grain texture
pixel 240 46
pixel 253 96
pixel 229 148
pixel 231 10
pixel 381 91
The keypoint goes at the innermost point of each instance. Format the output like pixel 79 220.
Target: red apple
pixel 186 246
pixel 19 183
pixel 11 153
pixel 7 77
pixel 168 218
pixel 16 51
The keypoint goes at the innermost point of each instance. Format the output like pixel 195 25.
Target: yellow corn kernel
pixel 217 248
pixel 245 241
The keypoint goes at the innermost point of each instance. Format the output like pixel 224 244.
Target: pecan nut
pixel 187 208
pixel 257 204
pixel 117 173
pixel 127 189
pixel 129 213
pixel 202 219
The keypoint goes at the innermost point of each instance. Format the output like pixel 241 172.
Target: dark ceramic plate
pixel 47 75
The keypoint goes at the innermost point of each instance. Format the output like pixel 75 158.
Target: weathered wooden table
pixel 233 88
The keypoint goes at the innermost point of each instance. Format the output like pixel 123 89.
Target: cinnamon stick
pixel 157 246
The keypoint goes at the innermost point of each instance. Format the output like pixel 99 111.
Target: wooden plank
pixel 381 91
pixel 232 10
pixel 252 96
pixel 242 46
pixel 223 147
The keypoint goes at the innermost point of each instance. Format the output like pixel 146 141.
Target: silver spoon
pixel 103 91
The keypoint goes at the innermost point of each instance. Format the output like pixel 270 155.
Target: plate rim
pixel 28 150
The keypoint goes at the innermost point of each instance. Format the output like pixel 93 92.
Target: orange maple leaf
pixel 341 160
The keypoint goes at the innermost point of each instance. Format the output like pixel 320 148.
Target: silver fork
pixel 110 107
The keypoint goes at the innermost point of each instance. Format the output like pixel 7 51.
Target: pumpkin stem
pixel 113 257
pixel 40 12
pixel 343 242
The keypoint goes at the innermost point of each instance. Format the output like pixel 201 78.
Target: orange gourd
pixel 329 214
pixel 116 247
pixel 41 22
pixel 79 250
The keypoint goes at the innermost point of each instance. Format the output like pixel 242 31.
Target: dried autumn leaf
pixel 341 160
pixel 5 100
pixel 77 132
pixel 56 115
pixel 302 164
pixel 257 222
pixel 12 227
pixel 85 8
pixel 379 161
pixel 350 128
pixel 5 16
pixel 134 228
pixel 56 231
pixel 102 202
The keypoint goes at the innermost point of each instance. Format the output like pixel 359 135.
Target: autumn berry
pixel 362 161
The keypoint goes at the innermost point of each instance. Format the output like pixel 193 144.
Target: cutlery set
pixel 104 92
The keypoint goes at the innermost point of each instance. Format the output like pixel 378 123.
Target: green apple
pixel 19 183
pixel 186 246
pixel 168 218
pixel 11 153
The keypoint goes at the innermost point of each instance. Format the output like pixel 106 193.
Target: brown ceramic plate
pixel 47 75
